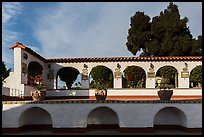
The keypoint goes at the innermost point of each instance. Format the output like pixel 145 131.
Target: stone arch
pixel 35 118
pixel 102 117
pixel 141 83
pixel 166 64
pixel 170 117
pixel 33 63
pixel 91 66
pixel 196 82
pixel 90 78
pixel 172 82
pixel 58 78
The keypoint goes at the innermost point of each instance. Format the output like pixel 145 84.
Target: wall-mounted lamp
pixel 85 66
pixel 118 65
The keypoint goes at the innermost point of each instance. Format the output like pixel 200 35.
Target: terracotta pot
pixel 165 94
pixel 101 94
pixel 38 95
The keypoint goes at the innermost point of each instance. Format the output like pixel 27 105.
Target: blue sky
pixel 80 29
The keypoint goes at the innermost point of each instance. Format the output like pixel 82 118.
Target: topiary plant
pixel 68 75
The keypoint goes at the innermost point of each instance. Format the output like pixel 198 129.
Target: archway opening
pixel 169 118
pixel 35 118
pixel 68 78
pixel 196 77
pixel 167 75
pixel 134 77
pixel 101 76
pixel 102 118
pixel 35 69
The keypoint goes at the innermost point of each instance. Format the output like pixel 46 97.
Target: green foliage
pixel 168 74
pixel 68 75
pixel 102 77
pixel 197 46
pixel 102 86
pixel 5 71
pixel 138 33
pixel 196 74
pixel 40 87
pixel 134 77
pixel 34 69
pixel 166 35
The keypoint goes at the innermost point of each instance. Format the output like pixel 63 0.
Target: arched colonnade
pixel 117 65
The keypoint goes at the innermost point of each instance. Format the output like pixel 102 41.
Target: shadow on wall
pixel 33 118
pixel 170 118
pixel 102 118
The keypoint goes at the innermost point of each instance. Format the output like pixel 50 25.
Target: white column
pixel 117 77
pixel 117 82
pixel 51 83
pixel 56 83
pixel 24 78
pixel 150 77
pixel 84 84
pixel 182 82
pixel 18 65
pixel 150 82
pixel 84 79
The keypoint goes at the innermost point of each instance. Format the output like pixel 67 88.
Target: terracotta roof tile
pixel 108 59
pixel 17 45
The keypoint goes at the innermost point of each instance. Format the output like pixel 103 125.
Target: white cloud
pixel 10 10
pixel 9 36
pixel 89 29
pixel 94 29
pixel 70 33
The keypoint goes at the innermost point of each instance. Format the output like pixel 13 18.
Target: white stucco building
pixel 23 56
pixel 125 108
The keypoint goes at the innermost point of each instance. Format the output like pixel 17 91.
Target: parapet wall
pixel 80 113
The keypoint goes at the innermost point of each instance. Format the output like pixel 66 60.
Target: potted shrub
pixel 102 80
pixel 165 92
pixel 40 89
pixel 101 91
pixel 35 80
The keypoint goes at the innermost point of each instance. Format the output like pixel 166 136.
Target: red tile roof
pixel 111 59
pixel 108 59
pixel 19 45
